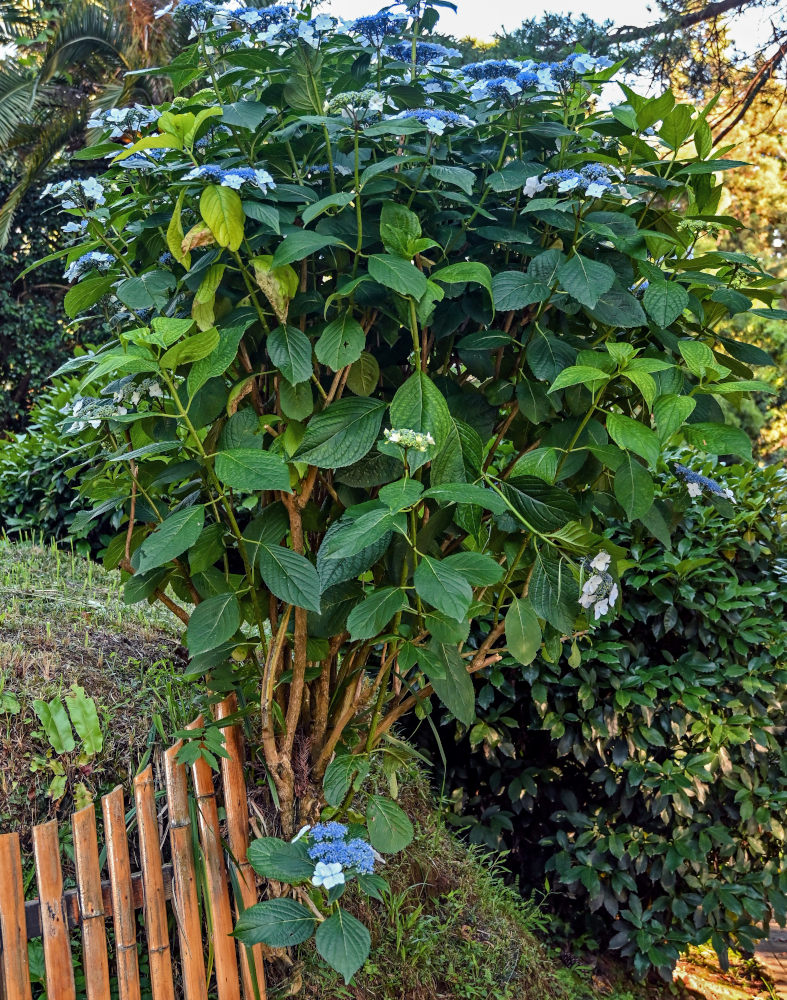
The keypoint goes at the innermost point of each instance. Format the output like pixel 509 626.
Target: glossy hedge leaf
pixel 251 469
pixel 452 685
pixel 443 587
pixel 545 508
pixel 344 943
pixel 634 487
pixel 342 434
pixel 222 210
pixel 212 623
pixel 171 538
pixel 370 617
pixel 398 274
pixel 281 860
pixel 147 291
pixel 523 631
pixel 279 923
pixel 717 439
pixel 390 829
pixel 631 435
pixel 584 279
pixel 291 351
pixel 553 591
pixel 290 576
pixel 340 343
pixel 665 301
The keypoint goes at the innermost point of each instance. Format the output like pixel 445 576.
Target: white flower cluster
pixel 79 192
pixel 407 438
pixel 328 875
pixel 134 392
pixel 356 105
pixel 123 120
pixel 599 591
pixel 87 411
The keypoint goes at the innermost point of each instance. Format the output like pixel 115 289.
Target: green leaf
pixel 340 343
pixel 452 685
pixel 544 507
pixel 443 588
pixel 717 439
pixel 280 860
pixel 634 487
pixel 631 435
pixel 147 291
pixel 291 351
pixel 82 709
pixel 399 229
pixel 478 569
pixel 343 942
pixel 279 923
pixel 514 290
pixel 222 210
pixel 398 274
pixel 86 294
pixel 401 494
pixel 698 356
pixel 467 493
pixel 193 348
pixel 56 725
pixel 585 280
pixel 250 470
pixel 523 631
pixel 465 271
pixel 619 308
pixel 290 576
pixel 342 434
pixel 580 375
pixel 346 771
pixel 171 538
pixel 352 535
pixel 671 412
pixel 390 829
pixel 369 618
pixel 298 245
pixel 213 622
pixel 419 405
pixel 664 301
pixel 346 567
pixel 297 401
pixel 364 375
pixel 553 591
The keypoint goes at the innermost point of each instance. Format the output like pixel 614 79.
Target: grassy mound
pixel 63 622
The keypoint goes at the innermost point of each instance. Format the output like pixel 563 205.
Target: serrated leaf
pixel 341 343
pixel 289 576
pixel 584 279
pixel 634 487
pixel 281 860
pixel 213 622
pixel 664 301
pixel 171 538
pixel 251 470
pixel 291 351
pixel 279 923
pixel 443 587
pixel 369 618
pixel 390 829
pixel 342 433
pixel 523 631
pixel 343 942
pixel 631 435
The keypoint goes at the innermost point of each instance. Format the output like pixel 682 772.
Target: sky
pixel 483 18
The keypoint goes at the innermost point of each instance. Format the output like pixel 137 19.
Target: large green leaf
pixel 343 942
pixel 291 351
pixel 340 343
pixel 281 860
pixel 634 487
pixel 346 771
pixel 671 412
pixel 212 623
pixel 53 718
pixel 718 439
pixel 353 535
pixel 222 210
pixel 418 405
pixel 171 538
pixel 279 923
pixel 344 567
pixel 302 244
pixel 478 569
pixel 545 508
pixel 398 274
pixel 584 279
pixel 553 590
pixel 342 434
pixel 289 576
pixel 465 271
pixel 664 301
pixel 193 348
pixel 443 587
pixel 390 829
pixel 369 618
pixel 631 435
pixel 452 684
pixel 84 717
pixel 147 291
pixel 523 631
pixel 251 469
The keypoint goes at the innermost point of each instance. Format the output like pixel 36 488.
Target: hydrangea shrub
pixel 397 338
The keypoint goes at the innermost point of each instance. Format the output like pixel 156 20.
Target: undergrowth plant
pixel 401 337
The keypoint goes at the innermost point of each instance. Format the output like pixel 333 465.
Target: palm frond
pixel 17 99
pixel 87 36
pixel 50 139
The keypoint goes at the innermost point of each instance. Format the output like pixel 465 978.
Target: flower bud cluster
pixel 599 591
pixel 406 438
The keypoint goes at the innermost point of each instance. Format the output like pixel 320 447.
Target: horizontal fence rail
pixel 177 932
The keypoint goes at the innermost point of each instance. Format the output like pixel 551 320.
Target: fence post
pixel 91 904
pixel 13 950
pixel 122 895
pixel 54 925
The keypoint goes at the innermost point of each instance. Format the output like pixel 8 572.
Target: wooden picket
pixel 165 893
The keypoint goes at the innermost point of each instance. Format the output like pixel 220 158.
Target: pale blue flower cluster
pixel 697 484
pixel 426 53
pixel 233 177
pixel 493 69
pixel 593 180
pixel 353 854
pixel 328 831
pixel 95 260
pixel 120 121
pixel 375 27
pixel 77 193
pixel 147 159
pixel 436 119
pixel 505 78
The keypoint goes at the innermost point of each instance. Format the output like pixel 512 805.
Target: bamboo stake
pixel 122 895
pixel 13 951
pixel 237 809
pixel 184 889
pixel 91 904
pixel 227 979
pixel 155 900
pixel 57 947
